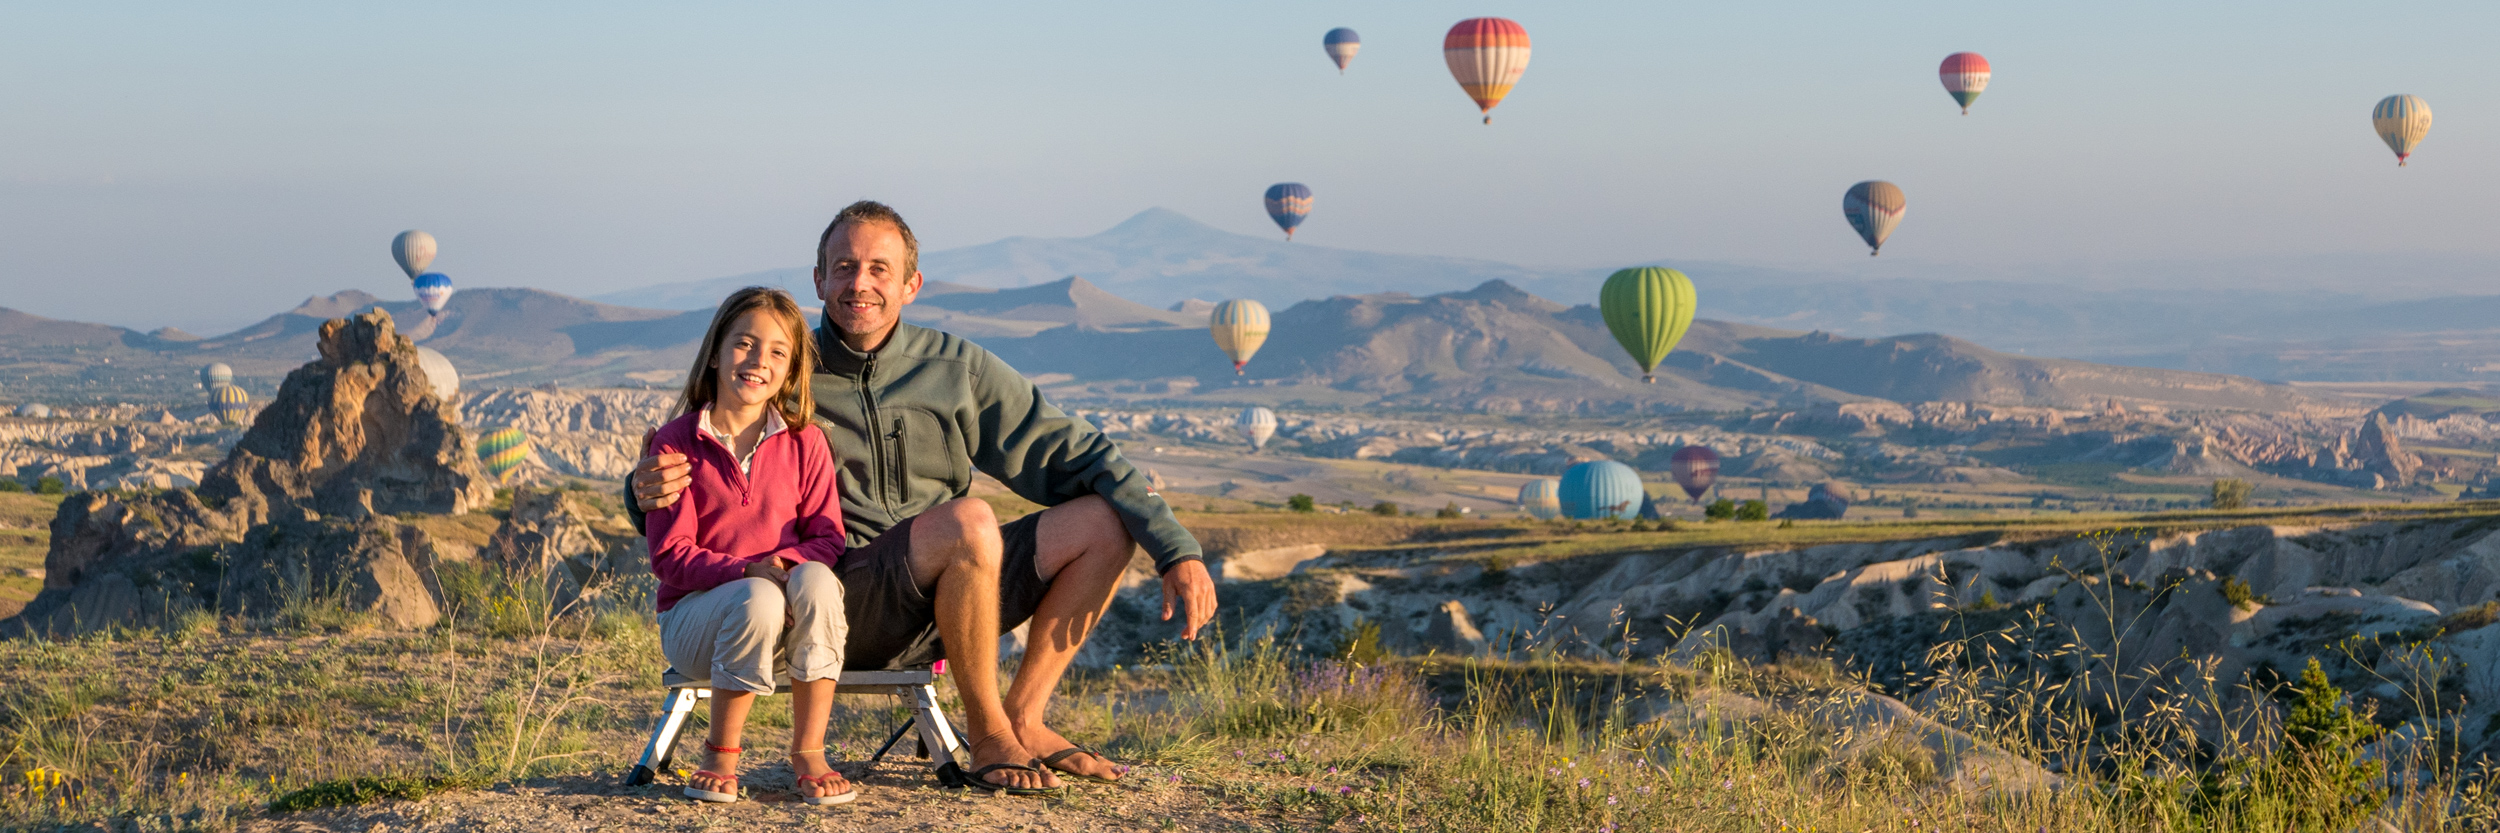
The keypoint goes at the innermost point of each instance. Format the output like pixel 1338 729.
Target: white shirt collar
pixel 773 424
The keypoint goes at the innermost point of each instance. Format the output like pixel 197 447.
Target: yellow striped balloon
pixel 503 450
pixel 1239 326
pixel 2401 120
pixel 233 405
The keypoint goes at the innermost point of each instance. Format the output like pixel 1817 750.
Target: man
pixel 911 413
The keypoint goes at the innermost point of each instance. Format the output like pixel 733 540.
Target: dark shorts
pixel 894 625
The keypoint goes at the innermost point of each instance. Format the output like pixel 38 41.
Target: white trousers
pixel 751 633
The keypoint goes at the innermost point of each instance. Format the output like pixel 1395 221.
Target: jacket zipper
pixel 876 449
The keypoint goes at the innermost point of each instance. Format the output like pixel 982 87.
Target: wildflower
pixel 1610 801
pixel 1608 828
pixel 1332 770
pixel 1727 784
pixel 1345 790
pixel 1569 763
pixel 1584 783
pixel 1642 789
pixel 1552 771
pixel 1312 790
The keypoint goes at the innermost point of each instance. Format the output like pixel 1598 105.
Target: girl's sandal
pixel 824 781
pixel 708 795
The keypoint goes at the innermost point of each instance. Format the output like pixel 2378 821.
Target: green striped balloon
pixel 503 450
pixel 1648 308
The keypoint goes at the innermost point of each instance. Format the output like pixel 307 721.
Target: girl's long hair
pixel 795 401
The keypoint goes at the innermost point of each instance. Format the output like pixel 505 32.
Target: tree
pixel 10 484
pixel 50 486
pixel 1448 512
pixel 1301 503
pixel 2314 780
pixel 1719 510
pixel 2231 493
pixel 1385 509
pixel 1753 510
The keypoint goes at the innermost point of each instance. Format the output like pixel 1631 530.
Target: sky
pixel 202 167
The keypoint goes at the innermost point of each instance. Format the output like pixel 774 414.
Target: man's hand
pixel 659 478
pixel 1188 583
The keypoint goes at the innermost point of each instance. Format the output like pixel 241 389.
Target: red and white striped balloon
pixel 1965 75
pixel 1486 55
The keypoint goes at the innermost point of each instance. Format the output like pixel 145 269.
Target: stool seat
pixel 917 686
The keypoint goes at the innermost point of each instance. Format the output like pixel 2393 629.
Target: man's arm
pixel 1049 457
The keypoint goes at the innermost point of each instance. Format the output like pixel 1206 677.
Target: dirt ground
pixel 893 797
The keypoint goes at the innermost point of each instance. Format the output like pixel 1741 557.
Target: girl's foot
pixel 818 783
pixel 718 779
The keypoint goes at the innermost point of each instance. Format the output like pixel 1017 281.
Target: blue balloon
pixel 1601 489
pixel 1287 204
pixel 433 290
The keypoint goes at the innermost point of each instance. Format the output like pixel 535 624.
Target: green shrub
pixel 1449 512
pixel 2240 595
pixel 2231 493
pixel 10 484
pixel 1301 503
pixel 1719 510
pixel 2314 780
pixel 50 486
pixel 354 791
pixel 1909 512
pixel 1385 509
pixel 1753 510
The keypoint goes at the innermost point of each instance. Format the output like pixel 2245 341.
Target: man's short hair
pixel 871 211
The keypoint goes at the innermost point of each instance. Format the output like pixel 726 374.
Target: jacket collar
pixel 835 356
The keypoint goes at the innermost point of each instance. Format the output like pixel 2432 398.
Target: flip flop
pixel 729 797
pixel 1052 761
pixel 954 777
pixel 825 780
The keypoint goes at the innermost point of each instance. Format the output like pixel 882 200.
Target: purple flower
pixel 1609 828
pixel 1552 771
pixel 1584 783
pixel 1610 801
pixel 1345 790
pixel 1332 770
pixel 1642 789
pixel 1313 790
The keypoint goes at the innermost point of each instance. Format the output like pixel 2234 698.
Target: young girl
pixel 745 558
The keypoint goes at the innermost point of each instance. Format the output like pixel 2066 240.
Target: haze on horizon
pixel 173 164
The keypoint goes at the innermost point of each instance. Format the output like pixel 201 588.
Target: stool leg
pixel 935 733
pixel 662 749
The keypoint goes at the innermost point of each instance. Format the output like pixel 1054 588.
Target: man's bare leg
pixel 955 549
pixel 1082 550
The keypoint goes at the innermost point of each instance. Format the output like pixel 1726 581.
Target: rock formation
pixel 295 517
pixel 549 534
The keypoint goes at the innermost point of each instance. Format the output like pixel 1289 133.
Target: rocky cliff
pixel 298 512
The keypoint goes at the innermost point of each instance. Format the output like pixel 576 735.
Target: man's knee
pixel 966 523
pixel 1098 522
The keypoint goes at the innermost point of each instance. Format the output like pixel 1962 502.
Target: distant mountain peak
pixel 1160 222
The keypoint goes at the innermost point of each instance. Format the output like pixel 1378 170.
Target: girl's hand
pixel 769 568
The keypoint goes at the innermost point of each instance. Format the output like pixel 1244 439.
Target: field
pixel 507 717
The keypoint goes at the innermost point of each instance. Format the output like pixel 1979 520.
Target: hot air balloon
pixel 1257 425
pixel 1240 326
pixel 216 373
pixel 232 404
pixel 1341 44
pixel 1648 309
pixel 1541 497
pixel 1873 208
pixel 433 290
pixel 502 450
pixel 1695 467
pixel 1287 204
pixel 414 250
pixel 35 410
pixel 1965 75
pixel 439 374
pixel 2401 120
pixel 1600 490
pixel 1486 55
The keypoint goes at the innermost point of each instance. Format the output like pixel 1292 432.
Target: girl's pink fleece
pixel 725 520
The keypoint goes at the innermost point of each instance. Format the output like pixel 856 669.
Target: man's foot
pixel 817 781
pixel 1003 749
pixel 1059 753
